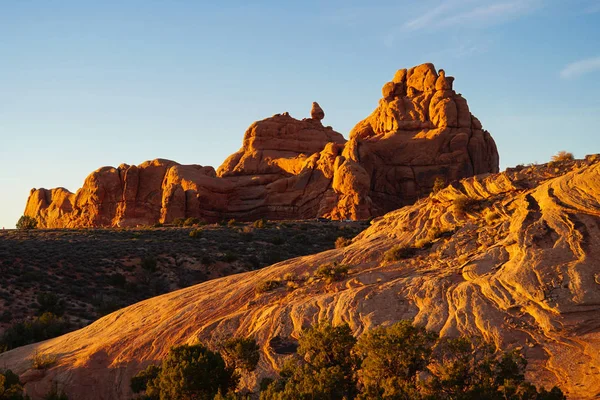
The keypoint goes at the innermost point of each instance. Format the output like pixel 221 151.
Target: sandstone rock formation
pixel 517 264
pixel 291 169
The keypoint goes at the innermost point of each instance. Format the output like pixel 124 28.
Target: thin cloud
pixel 593 8
pixel 581 67
pixel 465 13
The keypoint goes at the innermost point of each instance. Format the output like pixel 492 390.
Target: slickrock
pixel 287 168
pixel 512 257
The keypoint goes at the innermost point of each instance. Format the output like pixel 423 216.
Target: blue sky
pixel 85 84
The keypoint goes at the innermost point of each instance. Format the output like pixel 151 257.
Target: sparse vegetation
pixel 26 222
pixel 341 242
pixel 260 223
pixel 196 233
pixel 70 264
pixel 398 252
pixel 41 328
pixel 563 156
pixel 332 272
pixel 42 361
pixel 267 286
pixel 464 204
pixel 438 184
pixel 191 221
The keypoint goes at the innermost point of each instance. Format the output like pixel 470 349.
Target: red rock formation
pixel 290 169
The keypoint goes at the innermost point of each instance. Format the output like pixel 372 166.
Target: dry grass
pixel 563 156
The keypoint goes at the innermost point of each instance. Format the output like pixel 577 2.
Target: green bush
pixel 241 353
pixel 188 372
pixel 267 286
pixel 332 272
pixel 191 221
pixel 324 369
pixel 26 222
pixel 44 327
pixel 398 253
pixel 400 361
pixel 10 386
pixel 50 303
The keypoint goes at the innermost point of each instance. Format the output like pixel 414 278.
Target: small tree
pixel 191 372
pixel 392 358
pixel 325 369
pixel 26 222
pixel 241 353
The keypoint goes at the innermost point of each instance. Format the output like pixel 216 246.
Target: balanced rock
pixel 422 130
pixel 317 112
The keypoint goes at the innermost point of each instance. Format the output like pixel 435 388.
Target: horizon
pixel 96 85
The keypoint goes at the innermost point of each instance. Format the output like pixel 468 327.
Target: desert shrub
pixel 178 221
pixel 422 243
pixel 149 263
pixel 50 303
pixel 117 279
pixel 267 286
pixel 191 221
pixel 241 353
pixel 229 257
pixel 196 233
pixel 277 240
pixel 324 369
pixel 157 225
pixel 26 222
pixel 41 328
pixel 290 276
pixel 260 223
pixel 398 252
pixel 341 242
pixel 232 222
pixel 10 386
pixel 464 204
pixel 438 184
pixel 139 383
pixel 563 156
pixel 332 272
pixel 191 372
pixel 42 361
pixel 400 361
pixel 391 359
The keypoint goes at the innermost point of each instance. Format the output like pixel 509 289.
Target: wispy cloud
pixel 469 13
pixel 593 7
pixel 581 67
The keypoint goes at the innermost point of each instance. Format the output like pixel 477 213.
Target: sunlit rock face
pixel 287 168
pixel 510 257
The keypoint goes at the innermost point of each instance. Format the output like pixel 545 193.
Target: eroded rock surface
pixel 421 131
pixel 511 257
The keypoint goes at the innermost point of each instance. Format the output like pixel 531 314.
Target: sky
pixel 85 84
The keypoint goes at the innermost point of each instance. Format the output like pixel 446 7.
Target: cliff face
pixel 512 257
pixel 294 169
